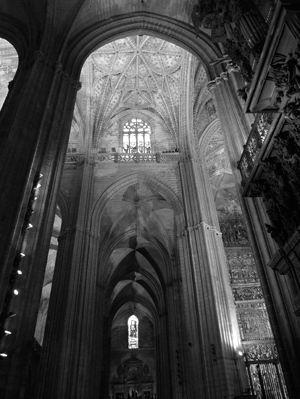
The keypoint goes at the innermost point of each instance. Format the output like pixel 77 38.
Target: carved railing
pixel 257 136
pixel 136 157
pixel 73 158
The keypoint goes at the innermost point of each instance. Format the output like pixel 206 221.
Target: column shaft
pixel 68 356
pixel 35 141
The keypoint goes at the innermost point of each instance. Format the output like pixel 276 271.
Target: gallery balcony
pixel 117 157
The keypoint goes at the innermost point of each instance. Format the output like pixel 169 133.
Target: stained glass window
pixel 136 136
pixel 133 332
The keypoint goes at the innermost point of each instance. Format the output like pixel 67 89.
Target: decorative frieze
pixel 242 268
pixel 117 157
pixel 253 321
pixel 260 351
pixel 247 293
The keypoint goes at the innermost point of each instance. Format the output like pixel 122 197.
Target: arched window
pixel 133 332
pixel 136 136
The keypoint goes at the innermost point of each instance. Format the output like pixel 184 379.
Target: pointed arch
pixel 142 23
pixel 133 332
pixel 133 178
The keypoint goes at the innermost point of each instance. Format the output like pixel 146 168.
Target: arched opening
pixel 136 136
pixel 134 78
pixel 134 257
pixel 133 244
pixel 141 23
pixel 9 61
pixel 133 332
pixel 137 265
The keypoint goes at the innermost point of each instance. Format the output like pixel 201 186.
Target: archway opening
pixel 128 118
pixel 9 61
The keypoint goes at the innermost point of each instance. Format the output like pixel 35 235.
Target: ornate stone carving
pixel 253 321
pixel 279 185
pixel 233 230
pixel 133 371
pixel 247 293
pixel 211 109
pixel 237 24
pixel 257 136
pixel 263 351
pixel 242 269
pixel 286 76
pixel 231 67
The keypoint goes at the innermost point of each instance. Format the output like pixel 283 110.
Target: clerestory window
pixel 133 332
pixel 136 136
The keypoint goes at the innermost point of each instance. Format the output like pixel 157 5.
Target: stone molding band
pixel 39 56
pixel 231 67
pixel 187 230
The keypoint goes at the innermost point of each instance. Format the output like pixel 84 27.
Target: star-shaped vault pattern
pixel 136 73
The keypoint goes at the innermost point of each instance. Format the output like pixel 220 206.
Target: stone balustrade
pixel 252 148
pixel 117 157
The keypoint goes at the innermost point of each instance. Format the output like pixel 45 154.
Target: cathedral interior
pixel 150 199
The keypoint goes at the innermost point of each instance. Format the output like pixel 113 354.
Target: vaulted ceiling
pixel 138 241
pixel 136 73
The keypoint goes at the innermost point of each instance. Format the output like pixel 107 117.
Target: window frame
pixel 135 128
pixel 133 333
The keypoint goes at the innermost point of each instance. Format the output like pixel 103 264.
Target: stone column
pixel 211 331
pixel 68 356
pixel 33 141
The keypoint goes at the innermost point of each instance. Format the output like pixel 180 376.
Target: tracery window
pixel 136 136
pixel 133 332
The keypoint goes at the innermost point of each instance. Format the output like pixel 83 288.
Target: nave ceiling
pixel 134 75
